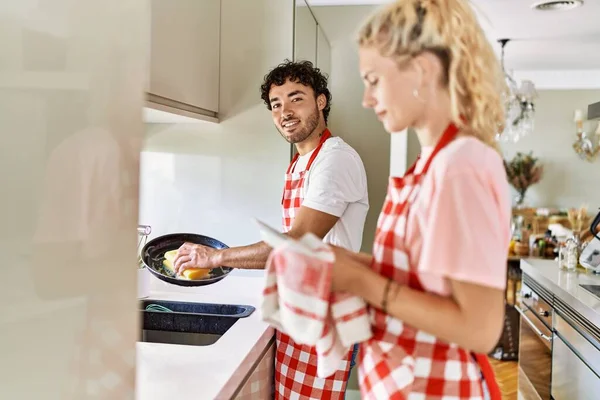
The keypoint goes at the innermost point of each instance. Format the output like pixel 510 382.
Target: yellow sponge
pixel 191 274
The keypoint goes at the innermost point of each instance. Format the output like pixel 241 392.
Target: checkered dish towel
pixel 298 302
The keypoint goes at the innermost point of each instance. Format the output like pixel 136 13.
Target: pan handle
pixel 144 230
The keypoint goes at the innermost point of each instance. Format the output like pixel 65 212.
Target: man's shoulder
pixel 336 148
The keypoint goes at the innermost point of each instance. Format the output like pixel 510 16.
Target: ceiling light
pixel 557 5
pixel 519 106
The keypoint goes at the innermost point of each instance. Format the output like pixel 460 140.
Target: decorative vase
pixel 520 198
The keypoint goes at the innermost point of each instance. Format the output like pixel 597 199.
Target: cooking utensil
pixel 153 255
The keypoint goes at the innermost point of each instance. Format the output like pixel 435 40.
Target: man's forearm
pixel 253 256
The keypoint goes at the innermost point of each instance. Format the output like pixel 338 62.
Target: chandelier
pixel 518 105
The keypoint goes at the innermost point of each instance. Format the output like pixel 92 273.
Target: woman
pixel 436 279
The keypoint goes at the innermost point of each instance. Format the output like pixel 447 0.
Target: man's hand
pixel 191 255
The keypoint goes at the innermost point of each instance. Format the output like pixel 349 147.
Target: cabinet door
pixel 323 52
pixel 184 61
pixel 305 33
pixel 260 383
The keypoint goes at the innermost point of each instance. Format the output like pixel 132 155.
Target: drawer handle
pixel 532 325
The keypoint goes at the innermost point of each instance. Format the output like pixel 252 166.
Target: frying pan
pixel 153 255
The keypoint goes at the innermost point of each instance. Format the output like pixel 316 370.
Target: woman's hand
pixel 347 268
pixel 191 255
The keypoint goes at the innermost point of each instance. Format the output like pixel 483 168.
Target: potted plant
pixel 523 171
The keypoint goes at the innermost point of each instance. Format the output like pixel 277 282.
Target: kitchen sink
pixel 192 324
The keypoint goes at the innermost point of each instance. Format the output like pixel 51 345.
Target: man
pixel 325 193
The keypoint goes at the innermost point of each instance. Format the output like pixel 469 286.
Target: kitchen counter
pixel 166 371
pixel 565 286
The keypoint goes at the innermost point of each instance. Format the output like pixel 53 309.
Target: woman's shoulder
pixel 467 155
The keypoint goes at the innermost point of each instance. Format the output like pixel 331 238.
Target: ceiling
pixel 541 40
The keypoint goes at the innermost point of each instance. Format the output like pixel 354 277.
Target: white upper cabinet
pixel 184 60
pixel 323 52
pixel 305 33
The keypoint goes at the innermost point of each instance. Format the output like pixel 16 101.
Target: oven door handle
pixel 532 325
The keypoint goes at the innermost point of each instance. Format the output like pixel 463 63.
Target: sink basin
pixel 193 324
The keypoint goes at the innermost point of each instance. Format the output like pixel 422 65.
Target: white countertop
pixel 565 286
pixel 177 372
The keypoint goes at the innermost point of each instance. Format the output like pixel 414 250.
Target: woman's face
pixel 392 92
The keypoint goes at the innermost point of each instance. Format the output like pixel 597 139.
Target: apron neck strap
pixel 326 135
pixel 448 136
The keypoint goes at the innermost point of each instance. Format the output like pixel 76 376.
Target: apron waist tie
pixel 488 376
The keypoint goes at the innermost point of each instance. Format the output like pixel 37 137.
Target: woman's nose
pixel 368 101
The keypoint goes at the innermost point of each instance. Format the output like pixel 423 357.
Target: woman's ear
pixel 321 102
pixel 429 68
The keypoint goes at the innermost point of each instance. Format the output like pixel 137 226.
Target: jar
pixel 572 253
pixel 562 255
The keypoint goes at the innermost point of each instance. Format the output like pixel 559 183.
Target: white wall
pixel 213 178
pixel 568 181
pixel 398 153
pixel 71 90
pixel 349 120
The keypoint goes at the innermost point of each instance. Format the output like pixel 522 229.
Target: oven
pixel 535 341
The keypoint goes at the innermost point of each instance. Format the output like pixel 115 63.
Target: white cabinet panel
pixel 184 61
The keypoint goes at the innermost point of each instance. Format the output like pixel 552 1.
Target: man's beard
pixel 302 133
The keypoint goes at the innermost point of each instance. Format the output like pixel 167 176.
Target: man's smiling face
pixel 295 111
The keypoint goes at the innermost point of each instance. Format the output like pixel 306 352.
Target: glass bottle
pixel 572 253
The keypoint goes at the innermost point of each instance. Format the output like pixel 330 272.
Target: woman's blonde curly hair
pixel 450 30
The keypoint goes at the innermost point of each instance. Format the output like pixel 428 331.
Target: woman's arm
pixel 363 258
pixel 360 257
pixel 472 317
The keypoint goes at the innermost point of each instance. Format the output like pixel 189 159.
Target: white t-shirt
pixel 336 184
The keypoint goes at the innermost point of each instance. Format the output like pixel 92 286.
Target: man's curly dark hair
pixel 303 72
